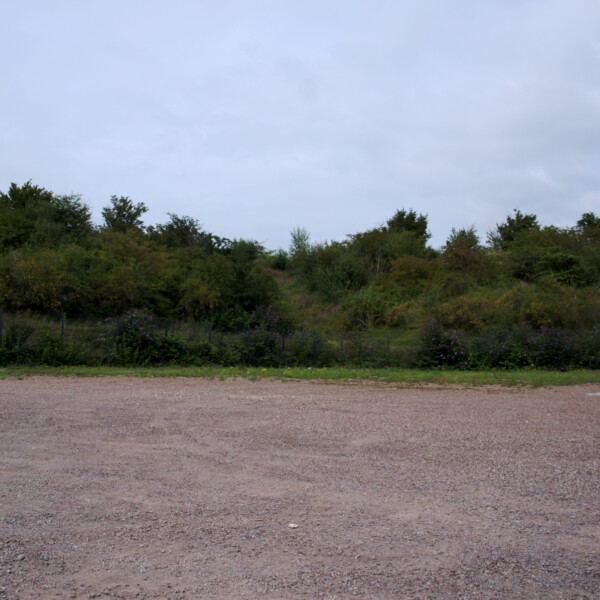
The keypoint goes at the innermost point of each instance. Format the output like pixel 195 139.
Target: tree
pixel 32 215
pixel 588 231
pixel 505 233
pixel 185 232
pixel 409 221
pixel 548 253
pixel 378 248
pixel 300 244
pixel 72 214
pixel 588 227
pixel 123 214
pixel 463 252
pixel 465 237
pixel 405 233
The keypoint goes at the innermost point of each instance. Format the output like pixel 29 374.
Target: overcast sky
pixel 257 116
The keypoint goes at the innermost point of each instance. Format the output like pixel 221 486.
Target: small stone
pixel 21 557
pixel 293 526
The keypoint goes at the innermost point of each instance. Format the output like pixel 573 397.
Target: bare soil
pixel 186 488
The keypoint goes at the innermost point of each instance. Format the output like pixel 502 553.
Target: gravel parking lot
pixel 130 488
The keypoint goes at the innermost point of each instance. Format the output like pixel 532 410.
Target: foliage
pixel 333 272
pixel 464 254
pixel 279 260
pixel 408 278
pixel 308 348
pixel 408 221
pixel 589 226
pixel 32 279
pixel 33 216
pixel 532 277
pixel 123 214
pixel 21 346
pixel 366 309
pixel 141 340
pixel 300 245
pixel 399 315
pixel 524 346
pixel 441 348
pixel 376 250
pixel 505 233
pixel 464 313
pixel 185 232
pixel 547 304
pixel 136 339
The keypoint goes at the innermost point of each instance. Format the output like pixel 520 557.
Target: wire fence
pixel 141 338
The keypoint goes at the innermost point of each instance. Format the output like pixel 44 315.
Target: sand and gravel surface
pixel 188 488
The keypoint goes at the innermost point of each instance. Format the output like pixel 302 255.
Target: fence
pixel 141 338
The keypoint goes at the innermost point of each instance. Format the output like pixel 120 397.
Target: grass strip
pixel 527 377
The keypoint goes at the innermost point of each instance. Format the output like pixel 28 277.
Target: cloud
pixel 257 117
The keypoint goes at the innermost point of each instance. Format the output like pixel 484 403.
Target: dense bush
pixel 501 347
pixel 21 347
pixel 142 340
pixel 530 297
pixel 464 313
pixel 440 348
pixel 136 339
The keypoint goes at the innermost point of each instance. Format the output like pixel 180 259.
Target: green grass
pixel 533 377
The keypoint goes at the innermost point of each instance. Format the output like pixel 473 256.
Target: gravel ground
pixel 188 488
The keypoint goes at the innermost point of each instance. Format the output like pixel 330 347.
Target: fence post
pixel 62 328
pixel 314 347
pixel 387 351
pixel 166 327
pixel 283 345
pixel 0 328
pixel 341 346
pixel 117 333
pixel 210 332
pixel 248 343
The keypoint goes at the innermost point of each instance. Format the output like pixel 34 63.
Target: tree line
pixel 53 258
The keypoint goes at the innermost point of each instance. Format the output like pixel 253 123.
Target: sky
pixel 259 116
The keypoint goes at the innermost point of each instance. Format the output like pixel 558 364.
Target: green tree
pixel 32 215
pixel 588 232
pixel 588 227
pixel 549 253
pixel 505 233
pixel 335 271
pixel 30 278
pixel 300 244
pixel 185 232
pixel 301 258
pixel 409 221
pixel 123 214
pixel 463 252
pixel 588 221
pixel 465 237
pixel 126 273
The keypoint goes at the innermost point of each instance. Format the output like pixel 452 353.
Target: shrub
pixel 463 313
pixel 263 347
pixel 304 348
pixel 279 260
pixel 548 304
pixel 17 334
pixel 524 346
pixel 398 315
pixel 362 352
pixel 439 348
pixel 365 309
pixel 501 347
pixel 140 341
